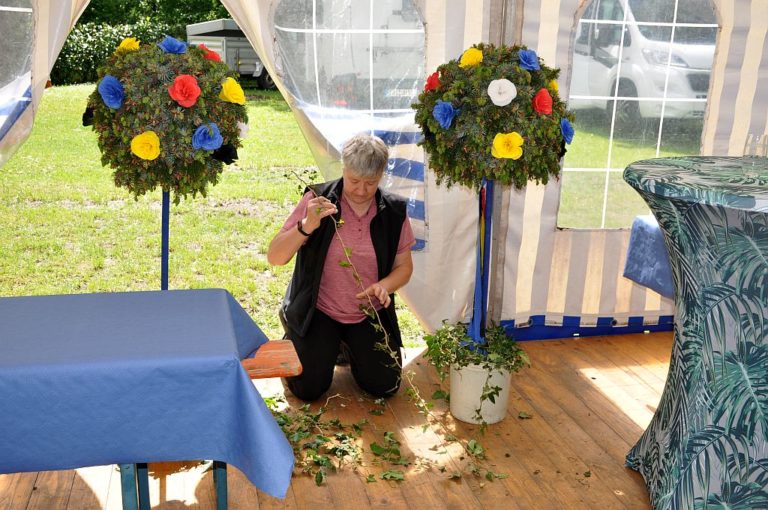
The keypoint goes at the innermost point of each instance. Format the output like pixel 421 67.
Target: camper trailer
pixel 225 38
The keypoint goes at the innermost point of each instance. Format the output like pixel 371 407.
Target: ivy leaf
pixel 440 395
pixel 393 474
pixel 475 448
pixel 319 477
pixel 370 479
pixel 524 416
pixel 377 449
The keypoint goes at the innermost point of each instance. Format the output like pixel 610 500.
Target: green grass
pixel 66 228
pixel 582 193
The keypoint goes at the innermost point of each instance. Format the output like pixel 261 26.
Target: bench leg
pixel 128 485
pixel 220 483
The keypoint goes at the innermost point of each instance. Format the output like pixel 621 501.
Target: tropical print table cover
pixel 706 446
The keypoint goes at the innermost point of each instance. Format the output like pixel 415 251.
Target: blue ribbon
pixel 476 328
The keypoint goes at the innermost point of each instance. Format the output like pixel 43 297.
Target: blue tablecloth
pixel 124 378
pixel 647 260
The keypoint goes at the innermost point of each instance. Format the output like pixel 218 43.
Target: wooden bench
pixel 276 358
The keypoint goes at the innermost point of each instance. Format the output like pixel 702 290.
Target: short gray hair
pixel 366 155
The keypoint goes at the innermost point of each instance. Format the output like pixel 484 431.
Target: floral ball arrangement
pixel 167 115
pixel 495 113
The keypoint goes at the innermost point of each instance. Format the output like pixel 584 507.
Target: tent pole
pixel 164 241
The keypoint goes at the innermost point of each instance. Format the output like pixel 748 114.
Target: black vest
pixel 301 296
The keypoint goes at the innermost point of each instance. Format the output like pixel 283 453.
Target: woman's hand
pixel 378 291
pixel 317 209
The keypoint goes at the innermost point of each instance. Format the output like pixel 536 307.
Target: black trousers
pixel 373 367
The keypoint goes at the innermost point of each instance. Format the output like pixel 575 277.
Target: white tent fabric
pixel 51 23
pixel 542 274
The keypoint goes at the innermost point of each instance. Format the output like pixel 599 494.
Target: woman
pixel 324 306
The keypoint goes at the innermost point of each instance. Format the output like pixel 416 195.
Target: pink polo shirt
pixel 337 284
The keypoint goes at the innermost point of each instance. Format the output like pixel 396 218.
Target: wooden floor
pixel 590 399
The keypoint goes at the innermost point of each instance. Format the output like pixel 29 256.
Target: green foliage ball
pixel 462 153
pixel 146 74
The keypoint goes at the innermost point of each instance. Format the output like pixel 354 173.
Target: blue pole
pixel 164 241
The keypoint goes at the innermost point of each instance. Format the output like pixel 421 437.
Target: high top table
pixel 135 377
pixel 707 444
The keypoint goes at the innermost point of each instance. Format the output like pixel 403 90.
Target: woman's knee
pixel 383 386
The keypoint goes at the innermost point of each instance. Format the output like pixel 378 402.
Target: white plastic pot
pixel 467 387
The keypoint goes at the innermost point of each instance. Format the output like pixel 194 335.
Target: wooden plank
pixel 90 488
pixel 651 345
pixel 520 487
pixel 242 494
pixel 587 438
pixel 52 490
pixel 466 492
pixel 276 358
pixel 566 372
pixel 347 487
pixel 16 489
pixel 205 491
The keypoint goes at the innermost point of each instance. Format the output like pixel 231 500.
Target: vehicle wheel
pixel 628 118
pixel 265 81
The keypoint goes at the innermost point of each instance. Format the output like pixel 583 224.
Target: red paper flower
pixel 542 102
pixel 433 81
pixel 184 90
pixel 209 54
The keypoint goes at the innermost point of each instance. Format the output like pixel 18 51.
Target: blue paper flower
pixel 171 45
pixel 207 137
pixel 567 130
pixel 444 112
pixel 528 60
pixel 111 91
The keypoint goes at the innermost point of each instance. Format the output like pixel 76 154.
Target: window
pixel 639 87
pixel 16 62
pixel 353 66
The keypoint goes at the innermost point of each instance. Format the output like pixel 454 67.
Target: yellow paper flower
pixel 553 85
pixel 146 145
pixel 232 92
pixel 129 44
pixel 507 145
pixel 471 57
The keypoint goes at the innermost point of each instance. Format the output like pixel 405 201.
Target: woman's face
pixel 359 190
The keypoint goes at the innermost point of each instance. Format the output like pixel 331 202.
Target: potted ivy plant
pixel 480 372
pixel 492 115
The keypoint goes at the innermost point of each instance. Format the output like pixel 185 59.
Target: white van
pixel 645 47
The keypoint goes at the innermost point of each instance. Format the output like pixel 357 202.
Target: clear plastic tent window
pixel 15 64
pixel 356 66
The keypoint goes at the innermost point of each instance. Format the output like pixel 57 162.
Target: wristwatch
pixel 301 230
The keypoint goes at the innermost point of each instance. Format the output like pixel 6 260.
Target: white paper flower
pixel 502 92
pixel 243 127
